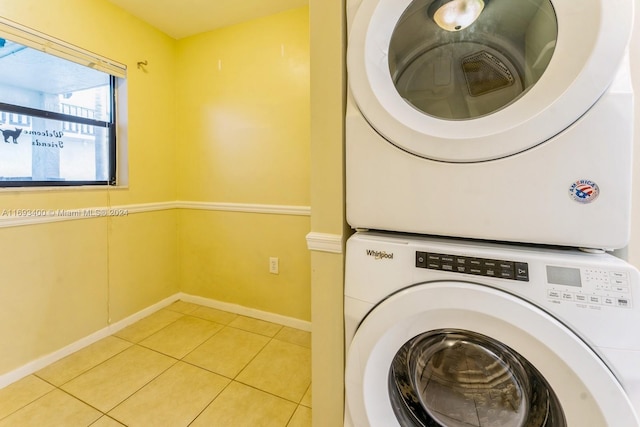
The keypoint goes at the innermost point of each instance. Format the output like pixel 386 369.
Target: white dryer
pixel 505 120
pixel 457 333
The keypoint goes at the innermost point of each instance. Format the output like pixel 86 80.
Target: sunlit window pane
pixel 56 120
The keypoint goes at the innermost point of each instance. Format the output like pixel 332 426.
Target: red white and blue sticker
pixel 584 191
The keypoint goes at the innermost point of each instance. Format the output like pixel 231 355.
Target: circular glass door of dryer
pixel 476 80
pixel 460 378
pixel 463 59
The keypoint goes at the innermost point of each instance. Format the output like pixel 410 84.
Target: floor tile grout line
pixel 85 371
pixel 254 387
pixel 175 362
pixel 102 413
pixel 127 397
pixel 108 416
pixel 162 329
pixel 252 359
pixel 246 365
pixel 235 316
pixel 54 389
pixel 101 363
pixel 271 337
pixel 231 380
pixel 209 404
pixel 270 393
pixel 30 403
pixel 203 343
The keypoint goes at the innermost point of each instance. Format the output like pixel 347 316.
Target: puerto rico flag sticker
pixel 584 191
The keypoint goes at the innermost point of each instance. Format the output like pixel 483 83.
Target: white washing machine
pixel 505 120
pixel 444 332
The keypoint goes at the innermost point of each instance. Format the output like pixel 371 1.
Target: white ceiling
pixel 183 18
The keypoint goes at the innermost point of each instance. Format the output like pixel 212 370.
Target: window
pixel 57 112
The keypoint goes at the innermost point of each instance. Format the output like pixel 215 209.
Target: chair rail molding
pixel 325 242
pixel 17 217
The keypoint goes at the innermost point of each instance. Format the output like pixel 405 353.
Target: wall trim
pixel 22 217
pixel 40 363
pixel 44 361
pixel 292 322
pixel 246 207
pixel 324 242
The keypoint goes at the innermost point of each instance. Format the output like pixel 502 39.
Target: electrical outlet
pixel 273 265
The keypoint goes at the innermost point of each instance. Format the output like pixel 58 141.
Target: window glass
pixel 56 120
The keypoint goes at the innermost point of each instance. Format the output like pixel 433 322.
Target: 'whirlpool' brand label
pixel 584 191
pixel 380 254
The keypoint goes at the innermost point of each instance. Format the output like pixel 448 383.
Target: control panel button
pixel 507 274
pixel 491 272
pixel 522 271
pixel 622 289
pixel 501 269
pixel 489 263
pixel 567 296
pixel 594 299
pixel 581 298
pixel 421 259
pixel 623 302
pixel 433 258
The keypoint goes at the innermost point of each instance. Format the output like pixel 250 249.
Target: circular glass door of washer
pixel 463 59
pixel 458 378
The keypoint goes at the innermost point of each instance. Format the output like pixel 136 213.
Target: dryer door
pixel 460 354
pixel 474 80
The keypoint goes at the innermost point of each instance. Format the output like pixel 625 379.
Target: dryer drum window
pixel 458 378
pixel 463 59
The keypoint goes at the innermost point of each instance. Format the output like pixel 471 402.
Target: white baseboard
pixel 38 364
pixel 249 312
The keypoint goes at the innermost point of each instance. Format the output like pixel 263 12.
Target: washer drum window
pixel 471 71
pixel 458 378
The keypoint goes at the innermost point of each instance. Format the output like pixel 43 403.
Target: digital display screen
pixel 564 276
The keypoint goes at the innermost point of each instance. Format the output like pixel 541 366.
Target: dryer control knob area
pixel 496 268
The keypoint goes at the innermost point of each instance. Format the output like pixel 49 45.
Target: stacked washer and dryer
pixel 488 160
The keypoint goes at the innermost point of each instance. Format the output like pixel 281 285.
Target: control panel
pixel 589 287
pixel 502 269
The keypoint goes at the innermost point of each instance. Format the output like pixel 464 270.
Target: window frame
pixel 117 76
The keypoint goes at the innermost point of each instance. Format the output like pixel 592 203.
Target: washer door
pixel 460 354
pixel 442 85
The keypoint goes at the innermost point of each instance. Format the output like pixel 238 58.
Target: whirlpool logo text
pixel 380 254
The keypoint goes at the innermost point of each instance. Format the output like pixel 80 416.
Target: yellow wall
pixel 634 245
pixel 243 108
pixel 195 134
pixel 328 91
pixel 62 281
pixel 243 138
pixel 225 257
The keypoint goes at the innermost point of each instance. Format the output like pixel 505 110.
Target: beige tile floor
pixel 185 365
